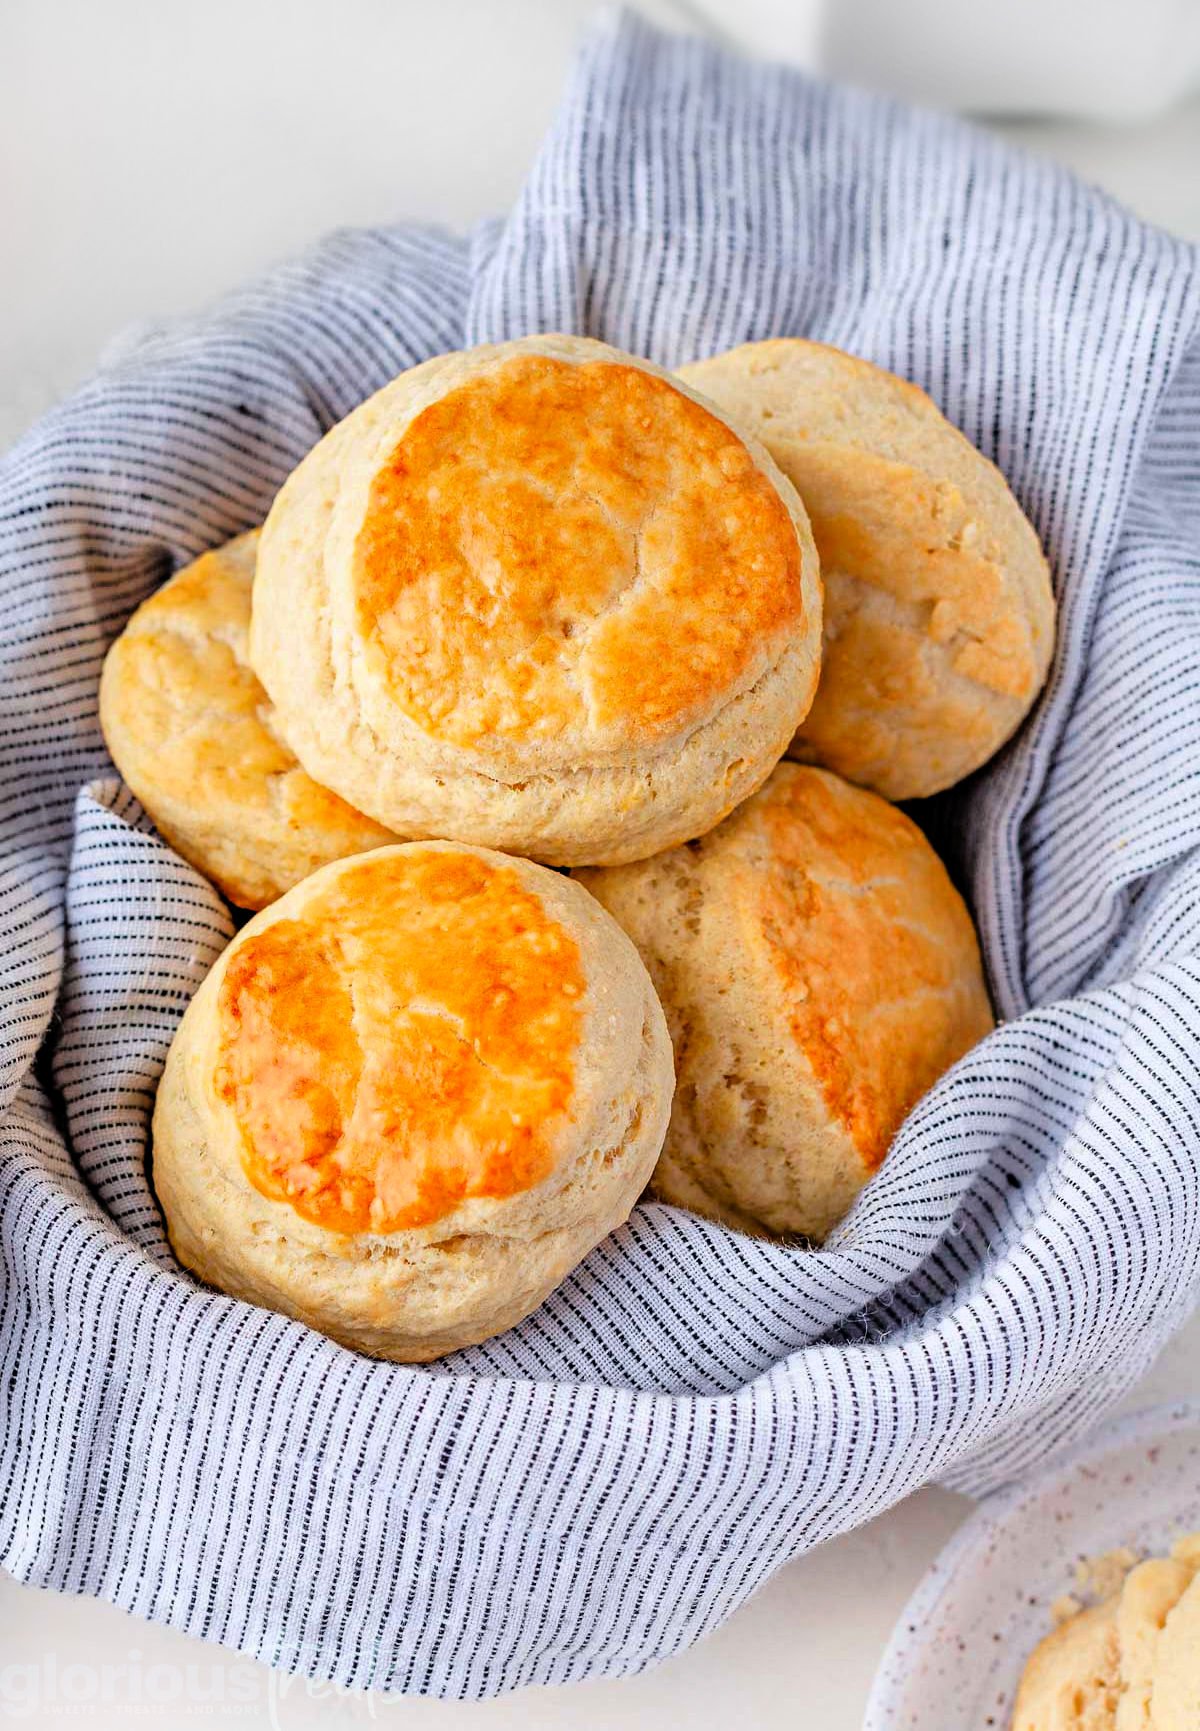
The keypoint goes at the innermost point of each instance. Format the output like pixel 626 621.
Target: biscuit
pixel 538 597
pixel 192 733
pixel 410 1097
pixel 1175 1693
pixel 1132 1660
pixel 819 973
pixel 939 615
pixel 1073 1679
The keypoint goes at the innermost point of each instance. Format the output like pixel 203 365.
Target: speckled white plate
pixel 956 1655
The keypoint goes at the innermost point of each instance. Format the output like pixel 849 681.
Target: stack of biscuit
pixel 542 605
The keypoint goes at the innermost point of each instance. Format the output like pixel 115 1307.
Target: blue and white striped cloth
pixel 598 1488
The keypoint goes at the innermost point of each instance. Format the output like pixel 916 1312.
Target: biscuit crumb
pixel 1100 1577
pixel 1064 1608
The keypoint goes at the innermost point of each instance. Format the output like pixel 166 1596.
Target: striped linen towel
pixel 599 1487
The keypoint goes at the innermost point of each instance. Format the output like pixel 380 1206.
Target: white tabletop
pixel 153 156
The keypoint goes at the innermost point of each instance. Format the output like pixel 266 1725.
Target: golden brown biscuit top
pixel 888 525
pixel 558 546
pixel 194 721
pixel 408 1043
pixel 181 661
pixel 939 614
pixel 843 897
